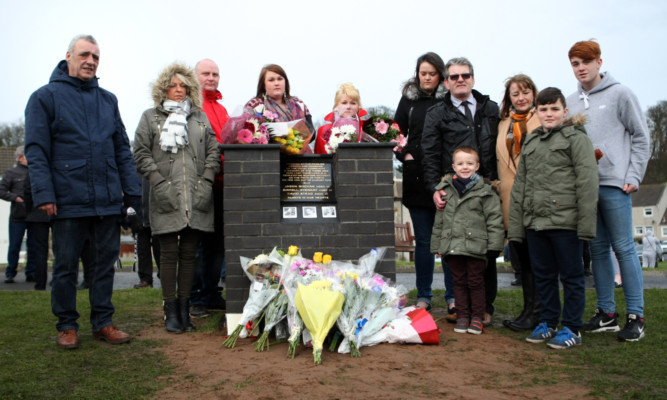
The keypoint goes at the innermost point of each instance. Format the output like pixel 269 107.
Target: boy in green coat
pixel 553 207
pixel 469 227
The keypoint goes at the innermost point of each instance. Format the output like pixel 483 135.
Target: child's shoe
pixel 565 339
pixel 462 325
pixel 476 326
pixel 541 333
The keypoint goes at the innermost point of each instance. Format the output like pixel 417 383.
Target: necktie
pixel 467 112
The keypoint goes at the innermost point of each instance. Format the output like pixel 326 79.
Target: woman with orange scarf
pixel 518 120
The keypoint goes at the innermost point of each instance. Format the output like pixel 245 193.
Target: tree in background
pixel 12 134
pixel 656 172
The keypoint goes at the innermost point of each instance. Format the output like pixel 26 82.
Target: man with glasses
pixel 464 118
pixel 617 127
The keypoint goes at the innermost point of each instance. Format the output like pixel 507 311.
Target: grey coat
pixel 181 183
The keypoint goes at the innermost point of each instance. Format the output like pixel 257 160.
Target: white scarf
pixel 174 134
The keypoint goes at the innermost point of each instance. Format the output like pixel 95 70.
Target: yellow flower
pixel 293 250
pixel 317 257
pixel 326 259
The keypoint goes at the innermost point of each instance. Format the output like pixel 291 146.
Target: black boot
pixel 184 310
pixel 531 304
pixel 172 319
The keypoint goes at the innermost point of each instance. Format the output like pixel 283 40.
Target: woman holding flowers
pixel 420 92
pixel 176 149
pixel 518 120
pixel 347 108
pixel 273 94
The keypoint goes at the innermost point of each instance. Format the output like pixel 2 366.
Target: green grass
pixel 611 369
pixel 31 366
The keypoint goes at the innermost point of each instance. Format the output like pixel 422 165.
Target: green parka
pixel 181 183
pixel 556 184
pixel 470 225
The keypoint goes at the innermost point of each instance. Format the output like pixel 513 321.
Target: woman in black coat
pixel 421 92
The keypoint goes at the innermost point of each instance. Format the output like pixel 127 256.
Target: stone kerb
pixel 364 199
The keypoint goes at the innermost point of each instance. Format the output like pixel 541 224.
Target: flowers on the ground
pixel 358 304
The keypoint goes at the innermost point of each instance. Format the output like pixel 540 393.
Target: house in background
pixel 649 211
pixel 7 161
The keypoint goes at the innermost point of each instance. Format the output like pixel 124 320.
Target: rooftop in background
pixel 648 195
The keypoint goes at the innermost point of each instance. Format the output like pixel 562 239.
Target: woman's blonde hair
pixel 184 73
pixel 347 89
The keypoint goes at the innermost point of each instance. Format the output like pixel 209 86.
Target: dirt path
pixel 463 366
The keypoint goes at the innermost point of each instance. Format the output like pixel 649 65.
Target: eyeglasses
pixel 456 77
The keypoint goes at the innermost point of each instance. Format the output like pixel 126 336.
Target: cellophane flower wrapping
pixel 246 129
pixel 319 306
pixel 275 312
pixel 382 127
pixel 352 307
pixel 293 136
pixel 343 130
pixel 297 270
pixel 259 297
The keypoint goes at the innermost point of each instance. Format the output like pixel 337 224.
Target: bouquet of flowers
pixel 249 128
pixel 275 312
pixel 319 306
pixel 343 130
pixel 293 136
pixel 382 128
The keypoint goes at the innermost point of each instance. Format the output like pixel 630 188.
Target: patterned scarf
pixel 516 134
pixel 462 185
pixel 292 111
pixel 174 133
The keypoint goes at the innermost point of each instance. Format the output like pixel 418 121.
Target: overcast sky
pixel 321 44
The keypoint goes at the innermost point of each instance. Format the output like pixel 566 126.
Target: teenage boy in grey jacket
pixel 617 127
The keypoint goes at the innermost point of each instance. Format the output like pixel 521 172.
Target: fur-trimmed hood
pixel 576 119
pixel 160 86
pixel 412 91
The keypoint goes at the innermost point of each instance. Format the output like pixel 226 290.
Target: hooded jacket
pixel 181 183
pixel 556 184
pixel 410 115
pixel 446 129
pixel 617 126
pixel 470 225
pixel 78 151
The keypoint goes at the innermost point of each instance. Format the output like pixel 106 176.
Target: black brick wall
pixel 364 191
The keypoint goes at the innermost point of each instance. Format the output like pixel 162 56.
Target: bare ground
pixel 462 366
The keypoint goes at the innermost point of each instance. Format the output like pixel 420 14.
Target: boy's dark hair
pixel 466 149
pixel 550 95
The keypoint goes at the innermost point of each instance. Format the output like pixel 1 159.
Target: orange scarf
pixel 518 129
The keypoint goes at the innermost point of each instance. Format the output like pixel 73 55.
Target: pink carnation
pixel 395 127
pixel 381 127
pixel 244 136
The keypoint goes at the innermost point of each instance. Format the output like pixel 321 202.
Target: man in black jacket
pixel 11 189
pixel 465 118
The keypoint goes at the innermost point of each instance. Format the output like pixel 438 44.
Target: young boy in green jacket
pixel 553 206
pixel 469 227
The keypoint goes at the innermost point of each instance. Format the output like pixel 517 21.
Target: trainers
pixel 541 333
pixel 198 311
pixel 565 339
pixel 601 322
pixel 462 325
pixel 633 329
pixel 476 327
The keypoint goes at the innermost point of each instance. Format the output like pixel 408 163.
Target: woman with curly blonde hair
pixel 176 149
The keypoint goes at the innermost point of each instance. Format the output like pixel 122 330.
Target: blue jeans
pixel 17 230
pixel 555 253
pixel 614 229
pixel 422 220
pixel 104 236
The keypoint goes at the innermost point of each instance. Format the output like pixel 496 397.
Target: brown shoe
pixel 68 339
pixel 142 285
pixel 112 335
pixel 451 316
